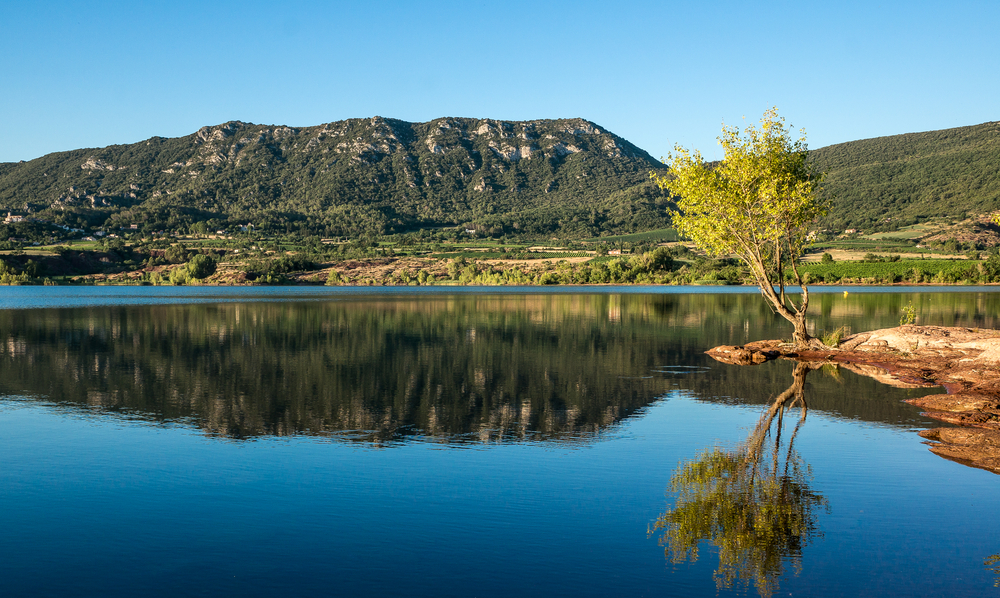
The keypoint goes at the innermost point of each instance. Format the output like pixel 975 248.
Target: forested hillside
pixel 887 182
pixel 566 178
pixel 352 177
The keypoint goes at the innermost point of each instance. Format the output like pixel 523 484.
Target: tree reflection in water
pixel 752 503
pixel 992 563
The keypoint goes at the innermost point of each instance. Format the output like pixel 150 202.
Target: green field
pixel 517 255
pixel 916 271
pixel 664 235
pixel 865 245
pixel 908 232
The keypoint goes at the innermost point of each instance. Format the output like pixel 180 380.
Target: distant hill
pixel 887 182
pixel 360 176
pixel 566 177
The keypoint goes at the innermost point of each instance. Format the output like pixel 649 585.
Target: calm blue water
pixel 301 442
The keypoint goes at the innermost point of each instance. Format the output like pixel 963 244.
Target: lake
pixel 469 442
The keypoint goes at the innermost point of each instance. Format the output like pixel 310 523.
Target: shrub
pixel 201 266
pixel 179 276
pixel 909 315
pixel 661 259
pixel 832 339
pixel 176 254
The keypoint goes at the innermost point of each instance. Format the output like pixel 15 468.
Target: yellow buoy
pixel 845 293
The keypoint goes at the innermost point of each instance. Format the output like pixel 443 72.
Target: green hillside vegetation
pixel 884 183
pixel 351 178
pixel 666 235
pixel 878 271
pixel 464 201
pixel 408 259
pixel 566 178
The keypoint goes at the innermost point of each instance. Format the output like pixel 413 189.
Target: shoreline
pixel 818 288
pixel 965 362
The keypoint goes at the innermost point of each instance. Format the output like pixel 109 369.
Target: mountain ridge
pixel 544 177
pixel 356 176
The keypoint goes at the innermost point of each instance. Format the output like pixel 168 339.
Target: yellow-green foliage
pixel 9 275
pixel 756 203
pixel 833 339
pixel 908 315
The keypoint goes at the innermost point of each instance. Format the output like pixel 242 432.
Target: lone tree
pixel 755 204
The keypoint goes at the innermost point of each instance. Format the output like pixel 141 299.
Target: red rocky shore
pixel 965 362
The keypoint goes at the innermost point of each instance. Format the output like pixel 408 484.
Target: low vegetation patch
pixel 895 270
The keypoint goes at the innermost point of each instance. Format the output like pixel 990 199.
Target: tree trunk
pixel 797 317
pixel 800 336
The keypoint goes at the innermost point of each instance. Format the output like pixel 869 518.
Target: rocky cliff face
pixel 354 176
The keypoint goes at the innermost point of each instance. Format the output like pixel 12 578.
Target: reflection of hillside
pixel 940 309
pixel 474 367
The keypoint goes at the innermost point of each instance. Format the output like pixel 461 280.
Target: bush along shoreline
pixel 373 266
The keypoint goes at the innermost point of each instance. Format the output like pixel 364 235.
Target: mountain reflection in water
pixel 459 369
pixel 452 368
pixel 752 503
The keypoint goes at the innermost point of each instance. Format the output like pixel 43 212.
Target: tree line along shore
pixel 646 258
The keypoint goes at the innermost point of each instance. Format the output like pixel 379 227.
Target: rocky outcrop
pixel 969 446
pixel 964 344
pixel 96 164
pixel 964 361
pixel 737 355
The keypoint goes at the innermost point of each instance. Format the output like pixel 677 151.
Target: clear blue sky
pixel 90 74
